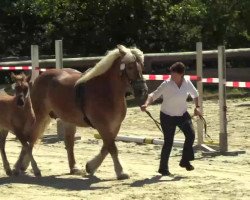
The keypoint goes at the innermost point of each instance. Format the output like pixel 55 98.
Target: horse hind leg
pixel 6 165
pixel 69 131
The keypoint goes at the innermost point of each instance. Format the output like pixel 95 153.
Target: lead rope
pixel 158 124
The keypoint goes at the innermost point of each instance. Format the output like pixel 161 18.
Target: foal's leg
pixel 69 140
pixel 18 164
pixel 6 165
pixel 26 152
pixel 25 163
pixel 41 124
pixel 35 168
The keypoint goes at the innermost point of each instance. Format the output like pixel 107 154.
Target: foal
pixel 17 116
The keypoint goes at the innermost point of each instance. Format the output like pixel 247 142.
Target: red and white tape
pixel 20 68
pixel 166 76
pixel 204 80
pixel 152 77
pixel 238 84
pixel 16 68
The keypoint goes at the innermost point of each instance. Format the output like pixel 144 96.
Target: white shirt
pixel 174 98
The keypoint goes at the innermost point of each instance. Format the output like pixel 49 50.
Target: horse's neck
pixel 30 114
pixel 28 109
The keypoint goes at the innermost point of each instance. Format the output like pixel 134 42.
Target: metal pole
pixel 222 98
pixel 59 54
pixel 199 70
pixel 34 62
pixel 59 65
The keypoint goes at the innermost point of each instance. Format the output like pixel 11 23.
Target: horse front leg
pixel 112 148
pixel 17 167
pixel 26 154
pixel 69 131
pixel 109 146
pixel 36 170
pixel 6 165
pixel 94 163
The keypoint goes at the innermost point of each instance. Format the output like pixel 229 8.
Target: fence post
pixel 222 98
pixel 199 59
pixel 59 54
pixel 34 62
pixel 59 65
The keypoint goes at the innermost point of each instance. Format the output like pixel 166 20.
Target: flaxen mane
pixel 105 63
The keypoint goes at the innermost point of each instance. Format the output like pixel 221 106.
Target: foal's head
pixel 21 87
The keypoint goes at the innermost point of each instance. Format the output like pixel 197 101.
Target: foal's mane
pixel 106 62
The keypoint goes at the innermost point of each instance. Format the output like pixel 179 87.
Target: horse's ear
pixel 28 78
pixel 13 76
pixel 122 49
pixel 23 76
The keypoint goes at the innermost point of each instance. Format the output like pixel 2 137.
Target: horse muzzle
pixel 20 101
pixel 140 89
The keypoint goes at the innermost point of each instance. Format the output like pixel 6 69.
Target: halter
pixel 123 67
pixel 13 86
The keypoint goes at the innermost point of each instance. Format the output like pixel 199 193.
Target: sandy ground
pixel 220 177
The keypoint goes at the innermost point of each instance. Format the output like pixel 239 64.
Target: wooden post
pixel 59 65
pixel 199 70
pixel 222 98
pixel 34 62
pixel 223 143
pixel 59 54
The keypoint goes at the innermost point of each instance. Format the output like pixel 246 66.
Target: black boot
pixel 164 172
pixel 187 165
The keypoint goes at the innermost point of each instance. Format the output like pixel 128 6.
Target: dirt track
pixel 221 177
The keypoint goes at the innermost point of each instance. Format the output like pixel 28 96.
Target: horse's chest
pixel 19 120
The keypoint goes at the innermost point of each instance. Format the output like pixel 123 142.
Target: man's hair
pixel 178 67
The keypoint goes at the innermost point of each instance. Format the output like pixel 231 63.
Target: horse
pixel 93 99
pixel 17 116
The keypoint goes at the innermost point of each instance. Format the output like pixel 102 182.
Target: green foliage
pixel 91 27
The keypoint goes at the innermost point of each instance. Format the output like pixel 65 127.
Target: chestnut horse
pixel 17 116
pixel 96 99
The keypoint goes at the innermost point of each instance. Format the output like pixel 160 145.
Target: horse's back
pixel 54 92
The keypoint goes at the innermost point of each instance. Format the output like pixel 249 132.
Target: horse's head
pixel 21 87
pixel 132 63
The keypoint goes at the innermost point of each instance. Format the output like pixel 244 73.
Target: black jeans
pixel 168 124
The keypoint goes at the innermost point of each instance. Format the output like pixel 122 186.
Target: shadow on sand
pixel 156 179
pixel 57 182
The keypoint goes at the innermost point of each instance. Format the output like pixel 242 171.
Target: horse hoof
pixel 15 172
pixel 38 174
pixel 77 171
pixel 123 176
pixel 89 170
pixel 8 172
